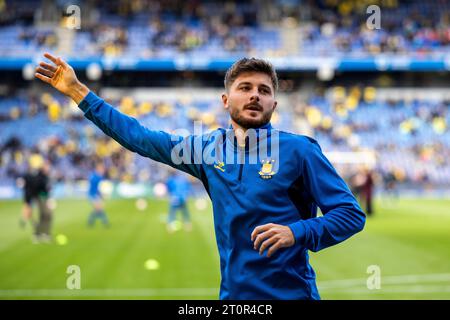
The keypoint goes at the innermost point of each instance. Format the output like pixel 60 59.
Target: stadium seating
pixel 405 134
pixel 418 29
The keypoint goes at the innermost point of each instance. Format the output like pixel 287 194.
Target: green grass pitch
pixel 408 239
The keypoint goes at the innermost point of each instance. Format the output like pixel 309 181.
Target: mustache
pixel 253 106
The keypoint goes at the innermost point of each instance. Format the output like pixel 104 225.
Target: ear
pixel 275 103
pixel 225 100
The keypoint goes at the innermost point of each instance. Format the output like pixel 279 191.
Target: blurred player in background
pixel 178 188
pixel 95 197
pixel 28 195
pixel 29 189
pixel 36 191
pixel 368 189
pixel 390 185
pixel 363 186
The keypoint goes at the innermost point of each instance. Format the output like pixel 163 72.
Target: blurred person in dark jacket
pixel 36 191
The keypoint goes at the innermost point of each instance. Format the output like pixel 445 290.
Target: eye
pixel 265 90
pixel 245 88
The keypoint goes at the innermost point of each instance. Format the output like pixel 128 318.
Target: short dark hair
pixel 250 65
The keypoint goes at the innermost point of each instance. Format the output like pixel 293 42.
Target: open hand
pixel 62 77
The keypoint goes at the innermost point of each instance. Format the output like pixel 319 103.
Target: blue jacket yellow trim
pixel 246 195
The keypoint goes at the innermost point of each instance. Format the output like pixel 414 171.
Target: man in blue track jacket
pixel 262 203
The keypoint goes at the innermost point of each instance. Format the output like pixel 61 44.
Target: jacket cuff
pixel 88 101
pixel 299 230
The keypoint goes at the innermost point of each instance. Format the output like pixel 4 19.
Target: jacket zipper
pixel 240 172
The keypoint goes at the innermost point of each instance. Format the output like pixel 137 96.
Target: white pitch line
pixel 393 289
pixel 190 292
pixel 399 279
pixel 394 285
pixel 144 292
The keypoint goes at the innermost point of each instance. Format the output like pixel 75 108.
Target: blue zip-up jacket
pixel 246 195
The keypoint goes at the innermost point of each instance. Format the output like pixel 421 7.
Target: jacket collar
pixel 231 141
pixel 267 126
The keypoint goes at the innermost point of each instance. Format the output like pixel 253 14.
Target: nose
pixel 255 96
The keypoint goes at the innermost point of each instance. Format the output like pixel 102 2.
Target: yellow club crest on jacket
pixel 220 165
pixel 266 171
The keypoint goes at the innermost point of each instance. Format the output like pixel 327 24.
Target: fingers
pixel 47 75
pixel 260 229
pixel 267 243
pixel 47 66
pixel 272 237
pixel 261 237
pixel 274 248
pixel 43 78
pixel 56 60
pixel 51 58
pixel 58 74
pixel 46 72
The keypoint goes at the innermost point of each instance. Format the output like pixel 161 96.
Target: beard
pixel 250 122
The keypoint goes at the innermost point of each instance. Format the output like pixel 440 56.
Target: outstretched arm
pixel 157 145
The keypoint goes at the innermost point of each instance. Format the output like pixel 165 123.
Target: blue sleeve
pixel 157 145
pixel 342 215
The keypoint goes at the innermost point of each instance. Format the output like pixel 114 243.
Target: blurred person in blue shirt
pixel 95 196
pixel 178 187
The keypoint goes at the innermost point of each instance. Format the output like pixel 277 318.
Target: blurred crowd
pixel 409 138
pixel 149 28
